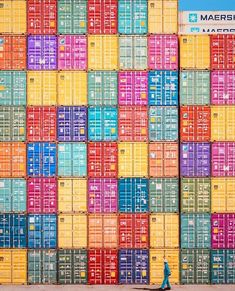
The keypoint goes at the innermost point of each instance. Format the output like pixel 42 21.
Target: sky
pixel 207 5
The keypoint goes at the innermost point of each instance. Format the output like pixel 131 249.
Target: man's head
pixel 165 261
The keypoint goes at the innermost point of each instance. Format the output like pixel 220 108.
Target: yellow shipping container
pixel 72 231
pixel 102 52
pixel 156 261
pixel 133 159
pixel 162 16
pixel 42 88
pixel 195 52
pixel 223 123
pixel 164 230
pixel 72 195
pixel 222 195
pixel 13 267
pixel 13 16
pixel 72 88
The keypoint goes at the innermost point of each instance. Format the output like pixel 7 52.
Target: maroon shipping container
pixel 42 195
pixel 102 16
pixel 133 230
pixel 41 123
pixel 42 17
pixel 102 160
pixel 103 266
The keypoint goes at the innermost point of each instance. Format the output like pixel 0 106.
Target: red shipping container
pixel 102 16
pixel 42 17
pixel 133 123
pixel 102 160
pixel 12 52
pixel 133 230
pixel 195 123
pixel 222 52
pixel 103 266
pixel 42 195
pixel 41 123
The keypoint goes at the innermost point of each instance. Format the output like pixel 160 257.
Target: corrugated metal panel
pixel 230 264
pixel 218 266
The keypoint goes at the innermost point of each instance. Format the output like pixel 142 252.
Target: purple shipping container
pixel 223 159
pixel 102 195
pixel 163 52
pixel 195 159
pixel 72 52
pixel 133 88
pixel 72 123
pixel 223 87
pixel 42 52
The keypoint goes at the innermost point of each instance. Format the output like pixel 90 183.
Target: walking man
pixel 167 273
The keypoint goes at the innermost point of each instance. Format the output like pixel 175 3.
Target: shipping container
pixel 41 123
pixel 163 123
pixel 222 87
pixel 102 123
pixel 133 88
pixel 133 195
pixel 103 266
pixel 163 52
pixel 195 230
pixel 12 160
pixel 163 16
pixel 102 195
pixel 163 88
pixel 41 159
pixel 217 28
pixel 13 230
pixel 72 88
pixel 102 88
pixel 222 54
pixel 42 195
pixel 72 266
pixel 133 53
pixel 12 123
pixel 102 160
pixel 195 123
pixel 42 52
pixel 13 267
pixel 42 231
pixel 134 230
pixel 102 52
pixel 223 123
pixel 164 230
pixel 194 87
pixel 195 52
pixel 164 195
pixel 156 258
pixel 72 17
pixel 132 159
pixel 42 267
pixel 72 159
pixel 163 159
pixel 72 231
pixel 133 123
pixel 13 52
pixel 72 195
pixel 195 266
pixel 133 266
pixel 72 52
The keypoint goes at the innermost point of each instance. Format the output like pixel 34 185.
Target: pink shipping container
pixel 163 52
pixel 72 52
pixel 102 195
pixel 223 159
pixel 133 88
pixel 42 195
pixel 223 87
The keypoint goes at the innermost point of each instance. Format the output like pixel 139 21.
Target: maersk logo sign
pixel 192 17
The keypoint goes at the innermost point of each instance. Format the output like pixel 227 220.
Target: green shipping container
pixel 72 266
pixel 195 266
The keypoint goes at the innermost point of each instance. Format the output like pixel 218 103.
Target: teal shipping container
pixel 72 159
pixel 12 195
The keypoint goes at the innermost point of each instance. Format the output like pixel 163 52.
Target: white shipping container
pixel 206 29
